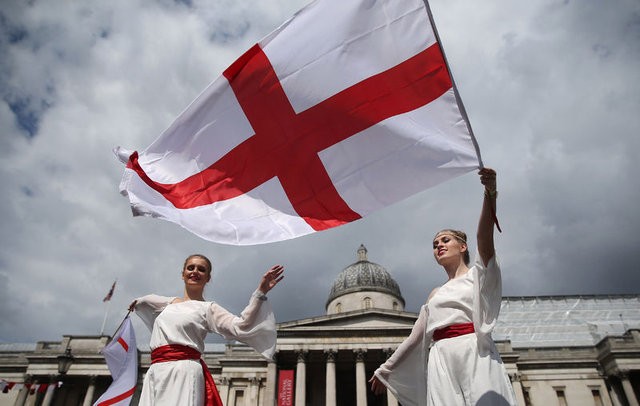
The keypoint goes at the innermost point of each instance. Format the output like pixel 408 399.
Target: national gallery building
pixel 558 350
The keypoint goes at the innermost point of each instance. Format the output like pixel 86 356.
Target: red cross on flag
pixel 345 109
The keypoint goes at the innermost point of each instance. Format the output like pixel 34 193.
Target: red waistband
pixel 173 352
pixel 177 352
pixel 453 330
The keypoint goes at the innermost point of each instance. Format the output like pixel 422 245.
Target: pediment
pixel 355 320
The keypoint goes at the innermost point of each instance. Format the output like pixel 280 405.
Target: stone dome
pixel 364 276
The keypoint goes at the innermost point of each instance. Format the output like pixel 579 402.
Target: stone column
pixel 33 395
pixel 391 400
pixel 361 378
pixel 48 396
pixel 301 378
pixel 24 392
pixel 614 394
pixel 223 389
pixel 628 389
pixel 88 397
pixel 330 382
pixel 254 388
pixel 517 387
pixel 271 384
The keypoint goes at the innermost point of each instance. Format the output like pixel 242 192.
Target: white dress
pixel 464 370
pixel 187 323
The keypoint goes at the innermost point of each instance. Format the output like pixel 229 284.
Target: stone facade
pixel 334 357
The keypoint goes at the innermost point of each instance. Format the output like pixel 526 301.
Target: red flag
pixel 108 297
pixel 345 109
pixel 285 387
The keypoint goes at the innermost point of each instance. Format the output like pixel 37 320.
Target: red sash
pixel 177 352
pixel 453 330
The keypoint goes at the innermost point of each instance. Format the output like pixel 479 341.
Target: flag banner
pixel 285 387
pixel 110 293
pixel 121 355
pixel 346 108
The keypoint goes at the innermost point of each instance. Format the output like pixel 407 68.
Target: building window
pixel 562 399
pixel 366 303
pixel 395 305
pixel 338 307
pixel 526 396
pixel 597 399
pixel 239 401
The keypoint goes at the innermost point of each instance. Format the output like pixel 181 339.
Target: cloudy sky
pixel 552 89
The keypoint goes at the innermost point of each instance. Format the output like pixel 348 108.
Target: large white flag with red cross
pixel 346 108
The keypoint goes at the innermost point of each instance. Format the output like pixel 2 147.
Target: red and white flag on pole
pixel 121 355
pixel 345 109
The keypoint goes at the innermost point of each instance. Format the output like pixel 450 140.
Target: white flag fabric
pixel 121 355
pixel 345 109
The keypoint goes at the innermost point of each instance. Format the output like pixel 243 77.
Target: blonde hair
pixel 460 236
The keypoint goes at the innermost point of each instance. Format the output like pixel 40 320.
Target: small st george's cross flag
pixel 121 355
pixel 344 109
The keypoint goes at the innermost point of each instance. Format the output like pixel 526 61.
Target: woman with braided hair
pixel 450 358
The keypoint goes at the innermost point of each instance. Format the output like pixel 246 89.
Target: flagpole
pixel 463 112
pixel 106 313
pixel 108 300
pixel 119 325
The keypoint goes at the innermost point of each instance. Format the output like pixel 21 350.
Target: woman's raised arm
pixel 486 248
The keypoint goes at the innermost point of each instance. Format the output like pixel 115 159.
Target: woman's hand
pixel 488 179
pixel 132 306
pixel 271 278
pixel 377 387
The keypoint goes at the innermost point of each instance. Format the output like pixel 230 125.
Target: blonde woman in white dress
pixel 450 358
pixel 179 325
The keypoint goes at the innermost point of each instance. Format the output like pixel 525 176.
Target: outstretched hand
pixel 132 306
pixel 271 278
pixel 377 387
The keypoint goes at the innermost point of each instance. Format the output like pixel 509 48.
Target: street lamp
pixel 64 361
